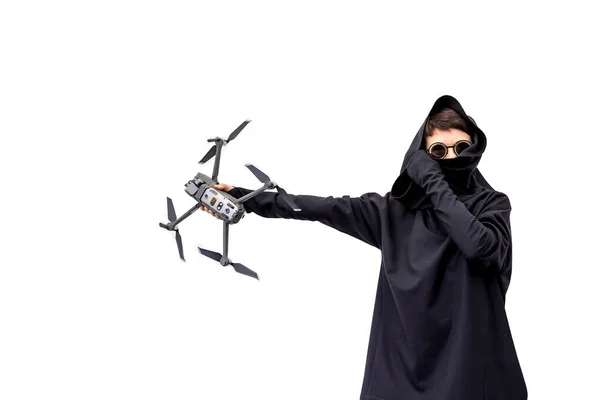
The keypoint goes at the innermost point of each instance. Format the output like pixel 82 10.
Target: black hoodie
pixel 439 328
pixel 461 172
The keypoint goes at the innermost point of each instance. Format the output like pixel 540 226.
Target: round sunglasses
pixel 440 150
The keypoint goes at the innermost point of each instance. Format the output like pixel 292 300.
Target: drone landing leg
pixel 174 221
pixel 225 260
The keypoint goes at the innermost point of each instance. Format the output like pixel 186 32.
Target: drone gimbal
pixel 227 207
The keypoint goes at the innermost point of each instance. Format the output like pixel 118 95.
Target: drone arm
pixel 173 225
pixel 359 217
pixel 248 194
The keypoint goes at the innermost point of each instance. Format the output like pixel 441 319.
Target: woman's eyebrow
pixel 454 142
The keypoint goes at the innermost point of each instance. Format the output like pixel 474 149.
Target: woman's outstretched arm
pixel 359 217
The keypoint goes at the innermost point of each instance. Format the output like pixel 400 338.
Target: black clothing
pixel 439 329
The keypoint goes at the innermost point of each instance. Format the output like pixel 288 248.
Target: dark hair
pixel 445 119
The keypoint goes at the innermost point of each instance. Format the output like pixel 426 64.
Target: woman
pixel 439 328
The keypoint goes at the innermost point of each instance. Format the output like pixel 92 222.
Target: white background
pixel 105 108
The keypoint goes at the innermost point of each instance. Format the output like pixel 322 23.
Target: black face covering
pixel 459 180
pixel 458 171
pixel 461 172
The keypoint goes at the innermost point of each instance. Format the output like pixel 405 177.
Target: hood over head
pixel 460 172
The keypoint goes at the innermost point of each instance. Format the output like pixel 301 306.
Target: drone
pixel 230 209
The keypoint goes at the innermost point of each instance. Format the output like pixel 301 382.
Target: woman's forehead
pixel 449 136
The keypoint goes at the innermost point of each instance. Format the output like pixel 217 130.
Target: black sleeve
pixel 359 217
pixel 485 238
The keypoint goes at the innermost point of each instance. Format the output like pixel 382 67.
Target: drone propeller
pixel 240 268
pixel 210 154
pixel 213 150
pixel 264 178
pixel 237 130
pixel 172 217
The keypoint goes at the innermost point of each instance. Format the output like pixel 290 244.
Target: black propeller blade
pixel 210 254
pixel 171 210
pixel 210 154
pixel 238 130
pixel 179 245
pixel 240 268
pixel 172 217
pixel 264 178
pixel 286 197
pixel 213 150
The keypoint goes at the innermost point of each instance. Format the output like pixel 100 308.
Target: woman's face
pixel 449 137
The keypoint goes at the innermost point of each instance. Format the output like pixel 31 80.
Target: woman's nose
pixel 451 153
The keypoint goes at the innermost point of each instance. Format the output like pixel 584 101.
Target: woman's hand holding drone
pixel 220 186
